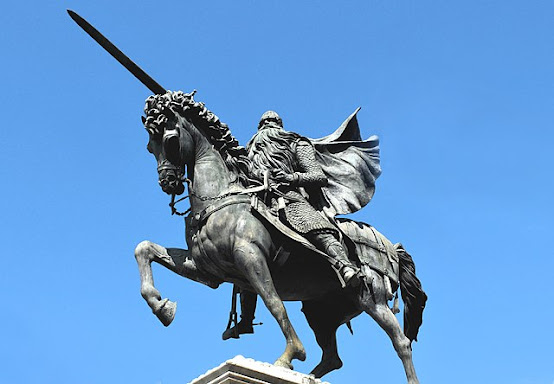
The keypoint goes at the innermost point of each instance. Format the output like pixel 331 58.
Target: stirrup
pixel 349 273
pixel 238 329
pixel 353 279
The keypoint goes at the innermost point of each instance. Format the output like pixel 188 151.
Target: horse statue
pixel 230 238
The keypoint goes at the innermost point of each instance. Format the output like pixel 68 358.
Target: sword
pixel 142 76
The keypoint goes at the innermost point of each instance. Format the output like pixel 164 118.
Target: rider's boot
pixel 332 247
pixel 347 270
pixel 242 327
pixel 245 325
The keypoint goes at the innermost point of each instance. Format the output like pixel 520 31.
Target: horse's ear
pixel 143 120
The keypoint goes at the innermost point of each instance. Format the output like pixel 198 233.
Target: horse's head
pixel 169 141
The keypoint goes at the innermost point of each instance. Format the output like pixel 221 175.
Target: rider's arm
pixel 309 173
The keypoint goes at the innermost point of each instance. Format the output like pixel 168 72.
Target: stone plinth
pixel 240 370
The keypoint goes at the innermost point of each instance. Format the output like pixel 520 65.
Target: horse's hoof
pixel 300 355
pixel 166 311
pixel 324 367
pixel 284 364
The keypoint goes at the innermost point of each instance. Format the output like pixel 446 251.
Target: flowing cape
pixel 351 165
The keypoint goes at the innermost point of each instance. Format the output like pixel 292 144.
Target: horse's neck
pixel 210 177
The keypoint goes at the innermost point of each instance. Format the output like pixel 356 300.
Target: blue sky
pixel 461 94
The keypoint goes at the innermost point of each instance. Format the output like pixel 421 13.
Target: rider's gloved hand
pixel 281 177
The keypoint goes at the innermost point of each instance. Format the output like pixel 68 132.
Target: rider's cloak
pixel 351 165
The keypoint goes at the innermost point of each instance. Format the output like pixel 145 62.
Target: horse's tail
pixel 412 294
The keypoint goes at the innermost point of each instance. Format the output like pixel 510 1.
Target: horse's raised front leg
pixel 375 304
pixel 145 253
pixel 176 260
pixel 250 259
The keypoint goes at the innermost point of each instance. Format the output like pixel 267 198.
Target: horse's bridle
pixel 166 165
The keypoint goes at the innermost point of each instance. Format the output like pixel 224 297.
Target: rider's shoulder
pixel 303 144
pixel 303 141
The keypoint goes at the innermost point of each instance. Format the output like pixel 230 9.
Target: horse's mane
pixel 217 132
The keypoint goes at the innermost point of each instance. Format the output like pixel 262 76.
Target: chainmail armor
pixel 309 171
pixel 298 213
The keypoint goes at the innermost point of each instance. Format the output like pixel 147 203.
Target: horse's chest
pixel 210 256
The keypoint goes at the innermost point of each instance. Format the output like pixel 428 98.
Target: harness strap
pixel 371 244
pixel 200 218
pixel 380 247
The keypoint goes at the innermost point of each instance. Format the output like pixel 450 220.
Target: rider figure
pixel 290 160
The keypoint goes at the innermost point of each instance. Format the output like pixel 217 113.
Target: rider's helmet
pixel 270 117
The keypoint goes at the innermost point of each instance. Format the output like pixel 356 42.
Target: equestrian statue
pixel 266 219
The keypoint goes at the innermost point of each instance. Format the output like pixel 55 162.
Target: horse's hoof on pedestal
pixel 284 364
pixel 166 311
pixel 326 366
pixel 300 354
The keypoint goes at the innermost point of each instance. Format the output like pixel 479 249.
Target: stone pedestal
pixel 240 370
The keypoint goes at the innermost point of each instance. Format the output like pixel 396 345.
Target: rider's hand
pixel 281 176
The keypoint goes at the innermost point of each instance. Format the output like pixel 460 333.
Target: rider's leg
pixel 247 311
pixel 326 241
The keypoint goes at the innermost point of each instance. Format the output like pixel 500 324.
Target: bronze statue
pixel 265 220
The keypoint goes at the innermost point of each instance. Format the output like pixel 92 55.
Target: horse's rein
pixel 247 191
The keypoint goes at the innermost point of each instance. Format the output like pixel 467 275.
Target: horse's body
pixel 233 245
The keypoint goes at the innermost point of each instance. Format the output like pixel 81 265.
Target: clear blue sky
pixel 460 92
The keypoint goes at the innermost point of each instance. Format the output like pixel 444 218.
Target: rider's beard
pixel 272 148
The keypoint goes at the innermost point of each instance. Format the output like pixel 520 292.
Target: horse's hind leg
pixel 251 261
pixel 145 253
pixel 321 319
pixel 375 304
pixel 403 346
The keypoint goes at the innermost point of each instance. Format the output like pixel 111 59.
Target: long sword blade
pixel 142 76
